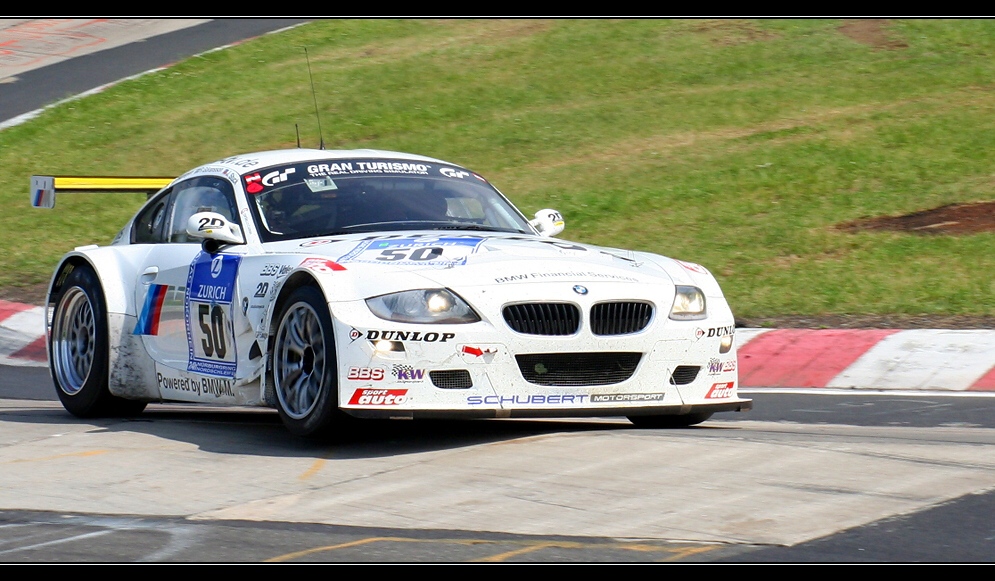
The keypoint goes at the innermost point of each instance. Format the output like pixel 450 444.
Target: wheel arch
pixel 115 277
pixel 129 366
pixel 294 281
pixel 111 382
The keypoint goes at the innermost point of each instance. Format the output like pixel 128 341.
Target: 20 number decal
pixel 206 223
pixel 212 323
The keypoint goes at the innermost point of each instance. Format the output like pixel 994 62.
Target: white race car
pixel 334 285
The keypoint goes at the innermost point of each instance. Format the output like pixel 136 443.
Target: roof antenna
pixel 297 130
pixel 321 139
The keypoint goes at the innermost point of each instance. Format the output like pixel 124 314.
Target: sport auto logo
pixel 379 397
pixel 720 390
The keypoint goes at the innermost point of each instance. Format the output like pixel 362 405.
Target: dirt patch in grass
pixel 729 32
pixel 872 32
pixel 949 220
pixel 952 219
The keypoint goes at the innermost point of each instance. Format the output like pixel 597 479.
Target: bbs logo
pixel 366 373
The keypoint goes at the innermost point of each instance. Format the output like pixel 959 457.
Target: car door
pixel 186 297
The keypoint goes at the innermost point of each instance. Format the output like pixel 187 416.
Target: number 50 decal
pixel 423 253
pixel 212 323
pixel 212 346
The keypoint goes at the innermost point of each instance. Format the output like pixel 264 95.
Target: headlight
pixel 436 305
pixel 689 304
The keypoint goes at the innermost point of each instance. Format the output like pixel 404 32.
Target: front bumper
pixel 486 370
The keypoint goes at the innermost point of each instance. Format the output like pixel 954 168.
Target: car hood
pixel 379 264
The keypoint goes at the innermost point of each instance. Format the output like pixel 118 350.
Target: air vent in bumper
pixel 451 379
pixel 684 374
pixel 578 369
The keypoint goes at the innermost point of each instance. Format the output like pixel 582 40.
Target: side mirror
pixel 215 229
pixel 548 222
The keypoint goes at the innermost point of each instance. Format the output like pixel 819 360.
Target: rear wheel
pixel 672 421
pixel 78 350
pixel 304 370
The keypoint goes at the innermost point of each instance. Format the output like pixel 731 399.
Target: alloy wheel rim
pixel 74 336
pixel 299 361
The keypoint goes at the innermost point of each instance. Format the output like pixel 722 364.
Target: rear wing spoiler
pixel 44 188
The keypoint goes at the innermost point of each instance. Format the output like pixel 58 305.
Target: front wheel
pixel 78 349
pixel 304 370
pixel 671 421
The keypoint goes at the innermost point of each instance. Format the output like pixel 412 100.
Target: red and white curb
pixel 22 335
pixel 879 359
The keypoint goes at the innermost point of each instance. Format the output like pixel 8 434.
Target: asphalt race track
pixel 44 61
pixel 801 478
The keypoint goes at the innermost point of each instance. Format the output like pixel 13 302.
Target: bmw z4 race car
pixel 335 285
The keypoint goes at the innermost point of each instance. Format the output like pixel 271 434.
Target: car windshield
pixel 292 204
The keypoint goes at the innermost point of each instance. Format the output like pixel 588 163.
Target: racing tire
pixel 305 375
pixel 670 421
pixel 78 348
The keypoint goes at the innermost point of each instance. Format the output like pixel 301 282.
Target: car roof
pixel 242 162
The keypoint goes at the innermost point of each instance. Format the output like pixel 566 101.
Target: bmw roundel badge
pixel 581 290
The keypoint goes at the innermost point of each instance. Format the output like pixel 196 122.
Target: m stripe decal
pixel 148 321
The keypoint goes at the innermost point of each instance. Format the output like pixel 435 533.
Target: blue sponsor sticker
pixel 420 250
pixel 208 313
